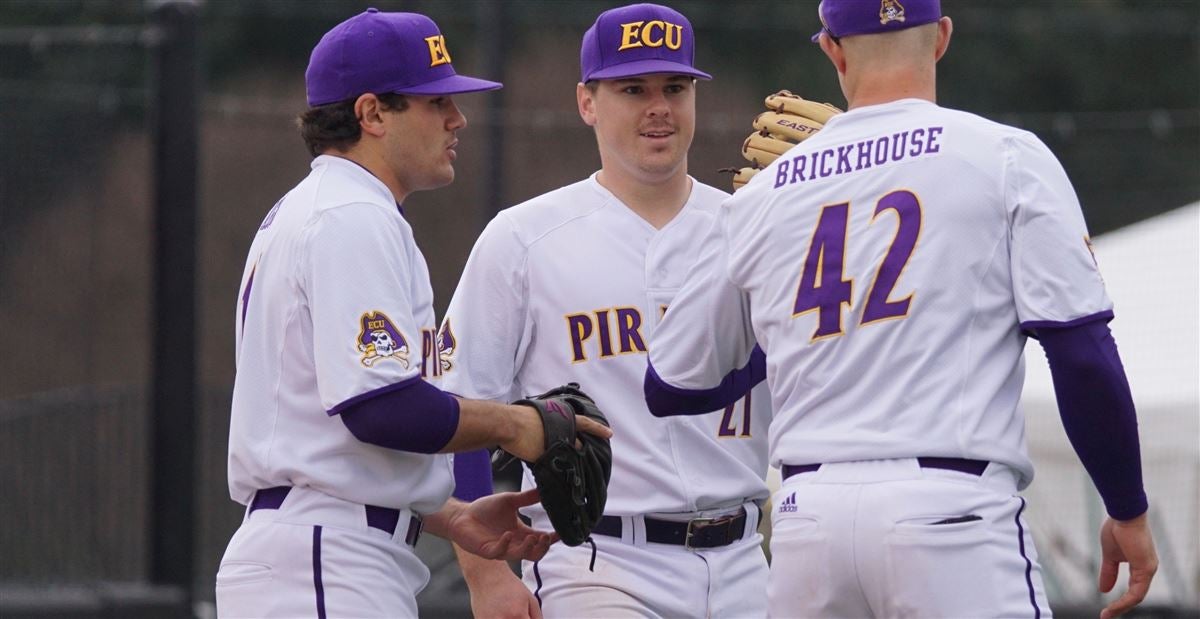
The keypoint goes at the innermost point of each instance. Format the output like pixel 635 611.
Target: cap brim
pixel 452 85
pixel 646 67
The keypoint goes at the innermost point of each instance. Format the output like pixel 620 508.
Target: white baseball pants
pixel 888 538
pixel 316 556
pixel 636 578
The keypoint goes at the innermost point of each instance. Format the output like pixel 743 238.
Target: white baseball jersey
pixel 335 304
pixel 884 266
pixel 570 286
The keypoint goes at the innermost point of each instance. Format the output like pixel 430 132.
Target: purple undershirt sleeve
pixel 472 475
pixel 411 415
pixel 665 400
pixel 1097 411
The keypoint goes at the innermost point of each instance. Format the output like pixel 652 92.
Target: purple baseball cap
pixel 376 52
pixel 843 18
pixel 639 39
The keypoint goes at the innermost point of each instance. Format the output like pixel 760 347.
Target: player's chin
pixel 661 162
pixel 442 177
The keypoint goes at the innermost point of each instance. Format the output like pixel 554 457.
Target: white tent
pixel 1152 271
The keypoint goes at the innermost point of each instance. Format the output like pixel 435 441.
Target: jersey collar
pixel 353 168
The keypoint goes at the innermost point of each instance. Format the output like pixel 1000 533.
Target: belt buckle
pixel 696 524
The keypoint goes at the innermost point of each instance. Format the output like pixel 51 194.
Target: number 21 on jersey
pixel 824 287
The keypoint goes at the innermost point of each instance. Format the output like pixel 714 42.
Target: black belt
pixel 383 518
pixel 694 533
pixel 962 465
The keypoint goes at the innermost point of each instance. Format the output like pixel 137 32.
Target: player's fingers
pixel 1108 575
pixel 523 550
pixel 540 548
pixel 1126 602
pixel 595 428
pixel 535 611
pixel 526 498
pixel 497 548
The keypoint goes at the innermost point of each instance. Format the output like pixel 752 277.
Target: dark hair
pixel 334 125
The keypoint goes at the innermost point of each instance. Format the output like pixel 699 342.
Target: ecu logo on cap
pixel 653 33
pixel 890 11
pixel 438 54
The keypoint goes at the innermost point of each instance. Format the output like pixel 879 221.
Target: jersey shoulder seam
pixel 516 228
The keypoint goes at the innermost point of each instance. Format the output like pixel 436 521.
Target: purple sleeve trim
pixel 411 415
pixel 1097 412
pixel 472 475
pixel 666 400
pixel 374 393
pixel 1030 328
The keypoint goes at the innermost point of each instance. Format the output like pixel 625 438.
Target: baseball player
pixel 891 267
pixel 573 283
pixel 336 422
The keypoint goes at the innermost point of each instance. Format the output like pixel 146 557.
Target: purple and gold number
pixel 822 287
pixel 908 230
pixel 729 426
pixel 823 284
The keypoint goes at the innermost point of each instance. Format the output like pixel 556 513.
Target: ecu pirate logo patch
pixel 378 339
pixel 445 347
pixel 890 11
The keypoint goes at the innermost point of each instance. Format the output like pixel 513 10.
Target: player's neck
pixel 377 167
pixel 657 203
pixel 875 89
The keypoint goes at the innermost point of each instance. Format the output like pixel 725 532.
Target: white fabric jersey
pixel 568 287
pixel 885 265
pixel 335 303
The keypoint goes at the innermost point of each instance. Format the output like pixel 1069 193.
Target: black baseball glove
pixel 572 481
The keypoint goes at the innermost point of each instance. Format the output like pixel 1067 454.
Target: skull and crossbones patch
pixel 378 339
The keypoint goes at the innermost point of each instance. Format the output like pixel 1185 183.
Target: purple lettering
pixel 605 339
pixel 899 142
pixel 932 146
pixel 843 156
pixel 629 328
pixel 918 142
pixel 580 327
pixel 726 428
pixel 746 415
pixel 823 286
pixel 908 230
pixel 781 174
pixel 864 155
pixel 798 164
pixel 825 155
pixel 881 150
pixel 426 347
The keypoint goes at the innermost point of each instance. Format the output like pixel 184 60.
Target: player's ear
pixel 369 111
pixel 945 28
pixel 834 51
pixel 586 98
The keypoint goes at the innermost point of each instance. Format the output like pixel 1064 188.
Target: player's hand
pixel 489 527
pixel 1126 541
pixel 530 441
pixel 499 594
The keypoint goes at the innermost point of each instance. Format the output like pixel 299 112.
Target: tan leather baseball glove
pixel 789 120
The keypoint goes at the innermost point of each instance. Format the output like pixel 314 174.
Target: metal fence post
pixel 173 409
